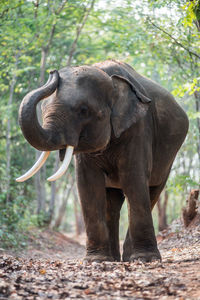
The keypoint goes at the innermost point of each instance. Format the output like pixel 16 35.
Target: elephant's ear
pixel 130 103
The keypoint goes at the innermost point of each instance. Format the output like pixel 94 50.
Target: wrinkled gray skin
pixel 126 131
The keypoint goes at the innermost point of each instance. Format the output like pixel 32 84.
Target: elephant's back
pixel 113 67
pixel 170 117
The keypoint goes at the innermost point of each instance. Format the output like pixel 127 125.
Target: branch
pixel 46 48
pixel 61 7
pixel 174 39
pixel 50 37
pixel 36 5
pixel 78 32
pixel 185 77
pixel 9 8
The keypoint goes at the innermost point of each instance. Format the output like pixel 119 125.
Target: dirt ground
pixel 53 268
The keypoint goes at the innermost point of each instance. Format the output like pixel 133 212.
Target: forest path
pixel 53 268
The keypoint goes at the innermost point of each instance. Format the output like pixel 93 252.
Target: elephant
pixel 124 131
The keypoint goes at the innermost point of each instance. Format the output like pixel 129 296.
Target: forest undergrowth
pixel 53 268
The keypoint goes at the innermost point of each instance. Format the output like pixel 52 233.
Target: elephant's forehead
pixel 83 82
pixel 82 74
pixel 73 95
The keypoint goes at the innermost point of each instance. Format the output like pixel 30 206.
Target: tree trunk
pixel 62 209
pixel 197 104
pixel 79 223
pixel 162 212
pixel 40 190
pixel 190 212
pixel 44 53
pixel 36 6
pixel 8 131
pixel 41 175
pixel 53 193
pixel 78 32
pixel 40 178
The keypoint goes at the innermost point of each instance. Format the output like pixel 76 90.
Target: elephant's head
pixel 83 107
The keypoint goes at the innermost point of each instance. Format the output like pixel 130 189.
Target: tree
pixel 162 211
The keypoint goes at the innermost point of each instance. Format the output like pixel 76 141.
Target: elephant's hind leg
pixel 115 199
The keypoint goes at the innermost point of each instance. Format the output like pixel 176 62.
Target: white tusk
pixel 39 163
pixel 64 166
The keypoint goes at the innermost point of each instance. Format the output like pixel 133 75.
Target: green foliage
pixel 176 185
pixel 12 213
pixel 192 12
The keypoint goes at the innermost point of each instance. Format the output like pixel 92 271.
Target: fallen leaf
pixel 42 271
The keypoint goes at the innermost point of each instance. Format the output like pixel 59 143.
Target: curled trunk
pixel 39 137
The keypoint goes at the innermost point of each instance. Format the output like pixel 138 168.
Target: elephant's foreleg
pixel 141 241
pixel 92 192
pixel 115 199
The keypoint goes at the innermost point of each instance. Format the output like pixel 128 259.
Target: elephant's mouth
pixel 65 156
pixel 62 154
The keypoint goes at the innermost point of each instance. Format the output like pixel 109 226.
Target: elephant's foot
pixel 116 255
pixel 117 258
pixel 97 258
pixel 144 256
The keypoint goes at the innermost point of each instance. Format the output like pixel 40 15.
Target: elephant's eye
pixel 84 111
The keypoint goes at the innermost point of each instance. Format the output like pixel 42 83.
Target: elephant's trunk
pixel 39 137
